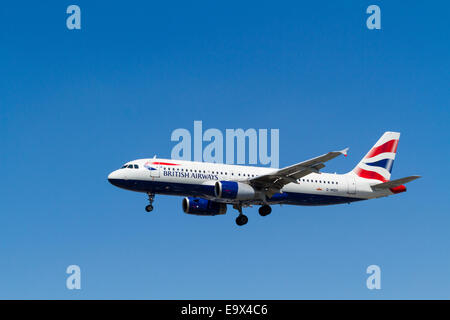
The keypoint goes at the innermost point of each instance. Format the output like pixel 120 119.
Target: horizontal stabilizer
pixel 394 183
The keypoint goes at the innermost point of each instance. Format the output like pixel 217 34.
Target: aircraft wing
pixel 272 182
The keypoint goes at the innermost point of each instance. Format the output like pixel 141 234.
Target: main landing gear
pixel 151 198
pixel 264 210
pixel 242 218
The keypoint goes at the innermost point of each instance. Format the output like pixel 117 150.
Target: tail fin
pixel 378 162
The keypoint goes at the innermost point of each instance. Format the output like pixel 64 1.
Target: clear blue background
pixel 75 105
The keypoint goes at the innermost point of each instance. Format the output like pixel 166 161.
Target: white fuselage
pixel 197 179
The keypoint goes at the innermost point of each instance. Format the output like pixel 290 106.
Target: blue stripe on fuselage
pixel 198 190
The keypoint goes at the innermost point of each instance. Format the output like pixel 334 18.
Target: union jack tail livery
pixel 378 162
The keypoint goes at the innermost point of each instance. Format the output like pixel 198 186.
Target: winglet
pixel 344 152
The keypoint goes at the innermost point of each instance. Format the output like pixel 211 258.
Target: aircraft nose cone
pixel 112 177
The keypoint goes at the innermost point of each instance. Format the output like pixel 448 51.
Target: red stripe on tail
pixel 369 174
pixel 390 146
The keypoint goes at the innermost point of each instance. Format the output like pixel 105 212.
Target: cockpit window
pixel 130 166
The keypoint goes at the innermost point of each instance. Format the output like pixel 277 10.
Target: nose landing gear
pixel 151 198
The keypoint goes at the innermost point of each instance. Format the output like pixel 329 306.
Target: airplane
pixel 208 188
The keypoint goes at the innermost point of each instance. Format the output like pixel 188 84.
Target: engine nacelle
pixel 233 190
pixel 203 207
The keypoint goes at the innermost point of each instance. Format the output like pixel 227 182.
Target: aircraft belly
pixel 207 191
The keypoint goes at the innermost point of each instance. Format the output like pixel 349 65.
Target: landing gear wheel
pixel 264 210
pixel 241 220
pixel 151 198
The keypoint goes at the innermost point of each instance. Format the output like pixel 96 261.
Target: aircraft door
pixel 155 170
pixel 351 185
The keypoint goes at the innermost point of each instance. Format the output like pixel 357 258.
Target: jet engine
pixel 233 190
pixel 203 207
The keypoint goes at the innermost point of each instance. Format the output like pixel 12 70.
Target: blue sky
pixel 75 105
